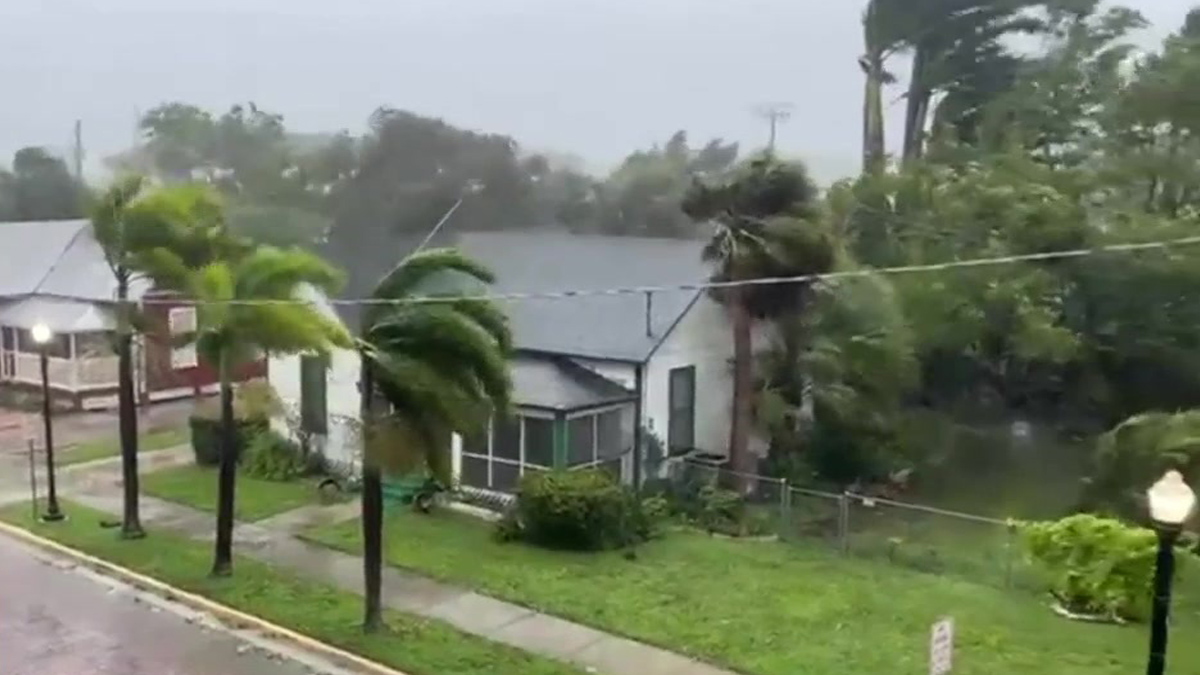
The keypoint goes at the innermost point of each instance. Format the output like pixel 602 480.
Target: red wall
pixel 158 375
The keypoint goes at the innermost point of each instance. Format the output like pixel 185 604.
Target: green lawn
pixel 413 644
pixel 196 486
pixel 160 439
pixel 771 608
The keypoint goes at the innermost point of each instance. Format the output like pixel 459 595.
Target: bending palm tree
pixel 134 227
pixel 247 305
pixel 766 225
pixel 441 365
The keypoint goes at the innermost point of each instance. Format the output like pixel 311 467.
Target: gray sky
pixel 595 78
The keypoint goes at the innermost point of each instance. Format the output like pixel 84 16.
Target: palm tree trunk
pixel 873 142
pixel 223 553
pixel 917 110
pixel 372 510
pixel 131 522
pixel 743 385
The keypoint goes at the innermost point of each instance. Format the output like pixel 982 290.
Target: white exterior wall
pixel 340 446
pixel 341 385
pixel 702 339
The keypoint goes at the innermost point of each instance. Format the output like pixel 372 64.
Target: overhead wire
pixel 1132 247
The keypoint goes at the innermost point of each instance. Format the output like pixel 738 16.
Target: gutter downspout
pixel 638 390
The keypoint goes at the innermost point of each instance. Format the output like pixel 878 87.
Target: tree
pixel 137 229
pixel 40 187
pixel 642 197
pixel 835 381
pixel 767 224
pixel 248 304
pixel 441 366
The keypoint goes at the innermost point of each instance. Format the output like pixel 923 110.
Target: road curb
pixel 198 602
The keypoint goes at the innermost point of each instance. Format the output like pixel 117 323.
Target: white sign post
pixel 941 647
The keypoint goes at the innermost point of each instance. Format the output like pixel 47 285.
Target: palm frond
pixel 416 273
pixel 274 274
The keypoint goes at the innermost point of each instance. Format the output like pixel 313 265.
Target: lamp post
pixel 1171 504
pixel 42 335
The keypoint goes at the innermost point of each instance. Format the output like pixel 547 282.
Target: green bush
pixel 721 510
pixel 270 456
pixel 1095 565
pixel 206 437
pixel 577 510
pixel 254 404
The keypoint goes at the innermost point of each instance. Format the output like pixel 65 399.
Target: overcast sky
pixel 595 78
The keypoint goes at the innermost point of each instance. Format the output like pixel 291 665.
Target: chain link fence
pixel 923 538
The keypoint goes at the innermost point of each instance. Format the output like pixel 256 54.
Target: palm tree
pixel 440 362
pixel 767 225
pixel 951 42
pixel 248 304
pixel 134 227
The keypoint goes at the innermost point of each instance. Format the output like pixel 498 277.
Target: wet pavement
pixel 55 620
pixel 18 427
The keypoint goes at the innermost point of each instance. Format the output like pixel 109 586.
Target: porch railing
pixel 66 374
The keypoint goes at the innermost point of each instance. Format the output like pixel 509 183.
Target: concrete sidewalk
pixel 273 541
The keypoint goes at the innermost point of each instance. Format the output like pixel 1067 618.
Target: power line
pixel 711 285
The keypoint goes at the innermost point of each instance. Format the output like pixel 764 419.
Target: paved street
pixel 56 621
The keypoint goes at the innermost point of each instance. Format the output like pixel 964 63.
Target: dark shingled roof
pixel 599 326
pixel 551 260
pixel 554 383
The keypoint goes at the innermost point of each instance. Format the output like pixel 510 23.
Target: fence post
pixel 844 522
pixel 1009 546
pixel 785 509
pixel 33 490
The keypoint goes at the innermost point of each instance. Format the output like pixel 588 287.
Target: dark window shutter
pixel 681 423
pixel 314 401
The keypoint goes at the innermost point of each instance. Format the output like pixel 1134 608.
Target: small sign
pixel 941 647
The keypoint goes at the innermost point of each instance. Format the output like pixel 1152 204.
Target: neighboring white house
pixel 586 364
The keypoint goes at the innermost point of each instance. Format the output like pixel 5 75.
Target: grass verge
pixel 771 608
pixel 150 441
pixel 412 644
pixel 256 499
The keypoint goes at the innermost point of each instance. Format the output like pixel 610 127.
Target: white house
pixel 54 274
pixel 588 366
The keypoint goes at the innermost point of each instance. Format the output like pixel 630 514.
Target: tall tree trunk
pixel 226 477
pixel 743 385
pixel 916 112
pixel 372 509
pixel 131 522
pixel 873 141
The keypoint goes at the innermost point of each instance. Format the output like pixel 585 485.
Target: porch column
pixel 560 440
pixel 71 355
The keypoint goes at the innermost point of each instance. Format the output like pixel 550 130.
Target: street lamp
pixel 42 335
pixel 1171 504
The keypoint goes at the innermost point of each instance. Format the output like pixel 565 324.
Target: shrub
pixel 721 510
pixel 270 456
pixel 1096 566
pixel 206 438
pixel 254 404
pixel 578 510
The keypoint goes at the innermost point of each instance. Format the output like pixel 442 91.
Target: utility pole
pixel 774 114
pixel 78 150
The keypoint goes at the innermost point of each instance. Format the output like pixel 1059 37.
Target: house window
pixel 598 440
pixel 681 420
pixel 314 413
pixel 496 459
pixel 181 321
pixel 59 346
pixel 94 345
